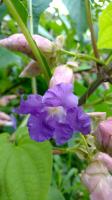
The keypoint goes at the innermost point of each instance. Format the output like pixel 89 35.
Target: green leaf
pixel 8 58
pixel 105 28
pixel 38 7
pixel 79 88
pixel 25 169
pixel 77 12
pixel 21 10
pixel 3 11
pixel 55 194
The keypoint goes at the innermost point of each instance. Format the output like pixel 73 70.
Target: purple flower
pixel 55 115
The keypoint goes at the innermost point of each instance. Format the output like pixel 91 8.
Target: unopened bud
pixel 105 159
pixel 31 70
pixel 73 64
pixel 62 74
pixel 104 136
pixel 59 42
pixel 18 42
pixel 6 99
pixel 98 181
pixel 6 120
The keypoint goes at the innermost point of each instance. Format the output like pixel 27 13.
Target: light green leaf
pixel 77 12
pixel 25 169
pixel 55 194
pixel 42 31
pixel 105 28
pixel 38 7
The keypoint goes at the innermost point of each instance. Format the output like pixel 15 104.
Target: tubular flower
pixel 55 115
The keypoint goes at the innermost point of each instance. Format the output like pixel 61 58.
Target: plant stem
pixel 83 56
pixel 34 85
pixel 30 16
pixel 91 89
pixel 37 53
pixel 109 59
pixel 93 39
pixel 33 80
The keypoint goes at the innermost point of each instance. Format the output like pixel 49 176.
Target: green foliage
pixel 25 168
pixel 77 12
pixel 3 11
pixel 8 58
pixel 105 28
pixel 21 10
pixel 55 194
pixel 25 165
pixel 38 7
pixel 66 175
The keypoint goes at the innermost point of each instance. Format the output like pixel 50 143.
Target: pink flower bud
pixel 98 181
pixel 6 99
pixel 17 42
pixel 5 120
pixel 105 159
pixel 104 135
pixel 62 74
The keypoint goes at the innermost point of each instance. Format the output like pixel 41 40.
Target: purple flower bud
pixel 62 74
pixel 104 135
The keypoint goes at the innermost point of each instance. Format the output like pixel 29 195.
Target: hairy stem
pixel 33 80
pixel 83 56
pixel 93 39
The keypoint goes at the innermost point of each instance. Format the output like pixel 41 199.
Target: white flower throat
pixel 58 111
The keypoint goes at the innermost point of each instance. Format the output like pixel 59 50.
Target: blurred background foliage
pixel 51 19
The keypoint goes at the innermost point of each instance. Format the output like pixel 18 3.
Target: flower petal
pixel 39 129
pixel 63 133
pixel 79 121
pixel 84 122
pixel 60 95
pixel 32 105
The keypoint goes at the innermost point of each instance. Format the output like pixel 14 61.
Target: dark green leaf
pixel 3 11
pixel 77 12
pixel 19 6
pixel 38 7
